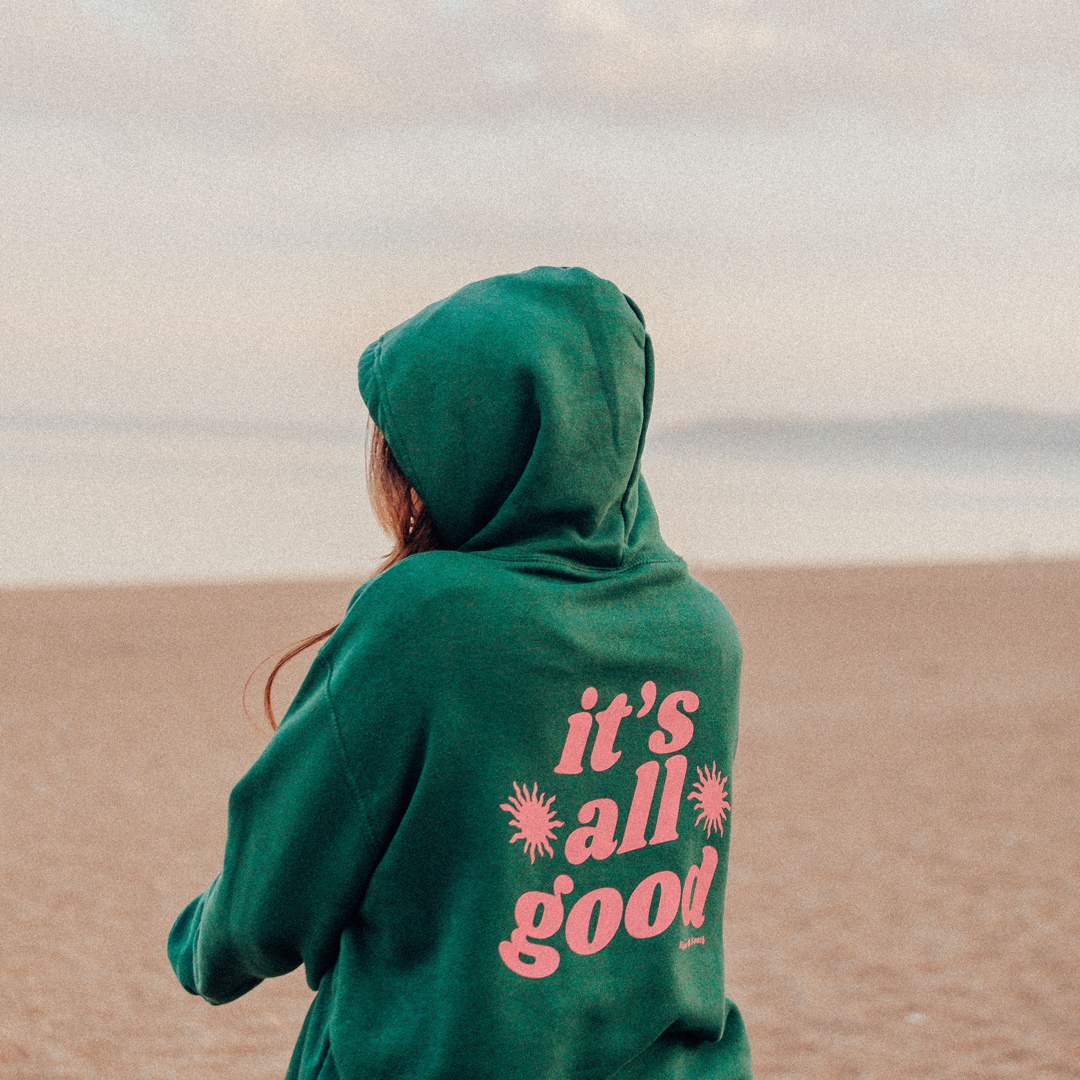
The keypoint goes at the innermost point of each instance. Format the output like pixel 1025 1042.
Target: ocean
pixel 103 500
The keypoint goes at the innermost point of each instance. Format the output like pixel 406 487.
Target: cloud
pixel 353 61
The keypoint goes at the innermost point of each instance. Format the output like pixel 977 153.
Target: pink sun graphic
pixel 533 818
pixel 711 799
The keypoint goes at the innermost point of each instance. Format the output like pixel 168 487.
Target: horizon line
pixel 255 428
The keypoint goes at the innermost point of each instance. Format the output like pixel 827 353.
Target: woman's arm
pixel 298 858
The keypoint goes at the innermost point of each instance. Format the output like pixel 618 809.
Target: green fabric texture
pixel 494 823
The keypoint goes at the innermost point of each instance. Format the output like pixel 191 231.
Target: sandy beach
pixel 903 900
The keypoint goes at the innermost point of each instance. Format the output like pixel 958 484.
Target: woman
pixel 493 825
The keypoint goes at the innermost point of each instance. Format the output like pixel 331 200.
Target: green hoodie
pixel 494 823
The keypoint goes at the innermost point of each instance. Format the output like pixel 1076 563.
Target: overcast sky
pixel 822 208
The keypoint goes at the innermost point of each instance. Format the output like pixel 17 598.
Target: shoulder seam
pixel 350 775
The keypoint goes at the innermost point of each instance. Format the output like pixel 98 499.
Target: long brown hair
pixel 403 517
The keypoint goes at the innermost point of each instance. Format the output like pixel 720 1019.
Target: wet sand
pixel 904 899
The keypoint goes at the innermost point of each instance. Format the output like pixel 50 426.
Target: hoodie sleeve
pixel 298 858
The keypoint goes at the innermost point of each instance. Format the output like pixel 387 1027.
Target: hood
pixel 518 407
